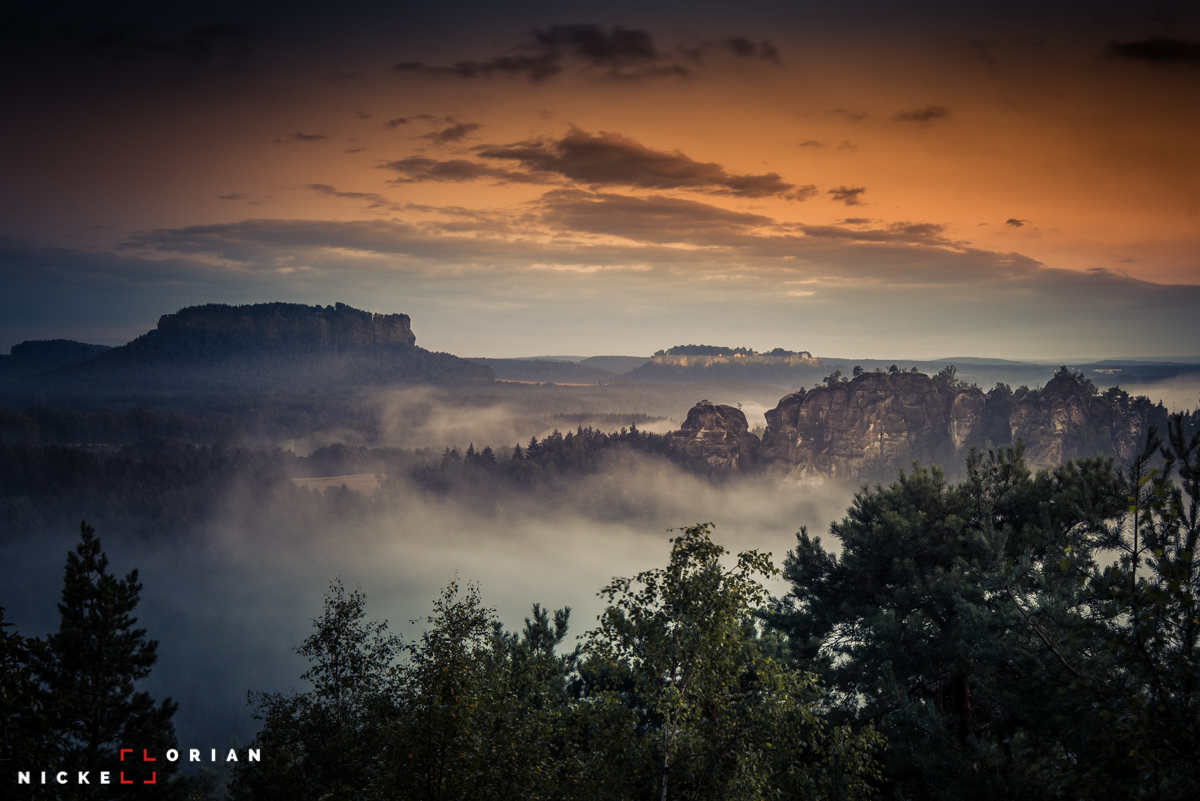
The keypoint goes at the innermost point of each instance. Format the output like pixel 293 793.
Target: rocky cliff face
pixel 1063 420
pixel 719 435
pixel 880 422
pixel 877 420
pixel 335 328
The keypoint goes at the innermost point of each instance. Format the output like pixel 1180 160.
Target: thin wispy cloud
pixel 300 137
pixel 926 114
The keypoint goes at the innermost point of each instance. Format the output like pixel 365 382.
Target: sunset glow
pixel 556 179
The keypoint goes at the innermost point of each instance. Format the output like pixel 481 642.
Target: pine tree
pixel 90 668
pixel 24 743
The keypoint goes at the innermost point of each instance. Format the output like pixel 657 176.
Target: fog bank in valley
pixel 230 604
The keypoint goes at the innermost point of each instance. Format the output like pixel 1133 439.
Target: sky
pixel 1013 180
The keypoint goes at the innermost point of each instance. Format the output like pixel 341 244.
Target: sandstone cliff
pixel 290 327
pixel 1064 420
pixel 876 421
pixel 718 435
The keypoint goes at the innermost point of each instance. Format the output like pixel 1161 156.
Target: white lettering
pixel 83 777
pixel 61 778
pixel 193 755
pixel 172 755
pixel 23 777
pixel 43 777
pixel 253 754
pixel 232 756
pixel 214 755
pixel 104 777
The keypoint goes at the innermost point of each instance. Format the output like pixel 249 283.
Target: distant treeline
pixel 170 488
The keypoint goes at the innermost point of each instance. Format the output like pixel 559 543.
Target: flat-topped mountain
pixel 691 363
pixel 35 356
pixel 216 331
pixel 265 347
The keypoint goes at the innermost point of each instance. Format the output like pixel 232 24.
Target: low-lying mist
pixel 230 603
pixel 1178 394
pixel 504 414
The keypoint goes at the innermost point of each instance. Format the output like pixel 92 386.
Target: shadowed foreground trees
pixel 676 695
pixel 70 702
pixel 1016 635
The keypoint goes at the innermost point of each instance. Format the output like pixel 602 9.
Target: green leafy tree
pixel 324 744
pixel 710 714
pixel 90 667
pixel 483 709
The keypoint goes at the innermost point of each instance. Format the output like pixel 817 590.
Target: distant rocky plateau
pixel 259 347
pixel 877 422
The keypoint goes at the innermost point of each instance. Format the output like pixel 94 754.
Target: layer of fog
pixel 503 415
pixel 1178 394
pixel 229 606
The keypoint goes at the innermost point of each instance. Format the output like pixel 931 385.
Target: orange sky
pixel 753 178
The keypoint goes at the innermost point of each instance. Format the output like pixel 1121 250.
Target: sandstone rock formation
pixel 289 326
pixel 718 435
pixel 876 421
pixel 1064 420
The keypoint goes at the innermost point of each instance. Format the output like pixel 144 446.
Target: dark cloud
pixel 354 150
pixel 219 44
pixel 1159 50
pixel 361 115
pixel 396 122
pixel 536 68
pixel 1013 222
pixel 852 116
pixel 856 221
pixel 299 137
pixel 742 47
pixel 455 133
pixel 610 159
pixel 811 143
pixel 417 169
pixel 651 219
pixel 245 197
pixel 617 46
pixel 372 200
pixel 926 114
pixel 848 194
pixel 902 232
pixel 616 52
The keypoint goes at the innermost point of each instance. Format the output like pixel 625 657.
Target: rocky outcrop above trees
pixel 719 436
pixel 878 422
pixel 1065 420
